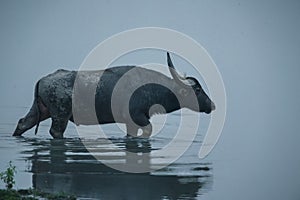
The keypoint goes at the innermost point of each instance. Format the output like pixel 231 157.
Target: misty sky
pixel 255 44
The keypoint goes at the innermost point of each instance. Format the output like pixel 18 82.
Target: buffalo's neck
pixel 170 102
pixel 165 98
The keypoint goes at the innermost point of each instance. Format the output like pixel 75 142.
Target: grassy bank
pixel 32 194
pixel 9 193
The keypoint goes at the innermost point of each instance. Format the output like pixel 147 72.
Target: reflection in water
pixel 66 165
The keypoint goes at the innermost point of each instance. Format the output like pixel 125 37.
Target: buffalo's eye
pixel 198 89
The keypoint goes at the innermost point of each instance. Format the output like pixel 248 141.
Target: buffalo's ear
pixel 183 92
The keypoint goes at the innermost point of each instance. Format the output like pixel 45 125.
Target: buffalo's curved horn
pixel 179 79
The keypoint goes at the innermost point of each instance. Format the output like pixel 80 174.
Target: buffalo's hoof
pixel 57 135
pixel 17 133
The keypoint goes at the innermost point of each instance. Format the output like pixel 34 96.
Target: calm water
pixel 251 161
pixel 66 165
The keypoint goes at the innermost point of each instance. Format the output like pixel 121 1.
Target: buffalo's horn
pixel 179 79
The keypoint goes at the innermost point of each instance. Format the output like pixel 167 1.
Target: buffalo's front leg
pixel 147 131
pixel 131 130
pixel 58 127
pixel 142 121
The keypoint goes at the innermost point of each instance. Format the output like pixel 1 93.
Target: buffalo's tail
pixel 36 103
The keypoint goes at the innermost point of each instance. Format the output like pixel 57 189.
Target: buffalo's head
pixel 189 87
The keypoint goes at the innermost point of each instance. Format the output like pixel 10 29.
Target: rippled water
pixel 67 166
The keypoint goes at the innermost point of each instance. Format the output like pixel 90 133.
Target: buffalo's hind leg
pixel 26 122
pixel 58 126
pixel 36 114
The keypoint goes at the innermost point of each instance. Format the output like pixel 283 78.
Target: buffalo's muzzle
pixel 213 106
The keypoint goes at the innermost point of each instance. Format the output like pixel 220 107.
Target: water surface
pixel 65 165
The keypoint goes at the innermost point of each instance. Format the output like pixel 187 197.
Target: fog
pixel 255 45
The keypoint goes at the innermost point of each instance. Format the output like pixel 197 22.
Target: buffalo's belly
pixel 91 115
pixel 104 112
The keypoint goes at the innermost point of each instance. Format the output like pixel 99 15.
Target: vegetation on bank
pixel 8 176
pixel 32 194
pixel 9 193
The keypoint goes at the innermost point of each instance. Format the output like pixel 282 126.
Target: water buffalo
pixel 53 98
